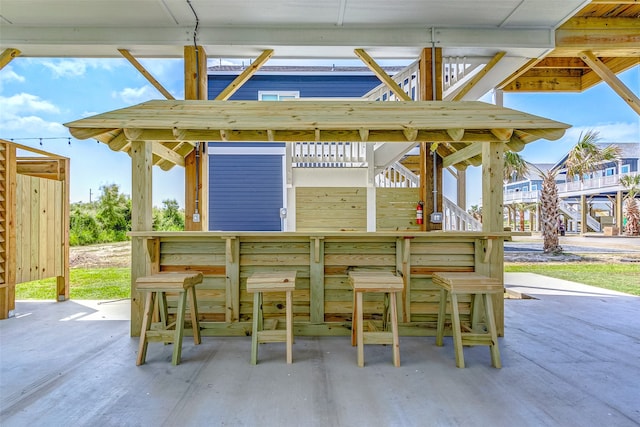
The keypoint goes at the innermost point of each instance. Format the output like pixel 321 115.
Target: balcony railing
pixel 328 154
pixel 610 182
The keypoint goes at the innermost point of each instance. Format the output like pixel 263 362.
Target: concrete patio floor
pixel 571 357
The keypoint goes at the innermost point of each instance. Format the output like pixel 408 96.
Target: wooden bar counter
pixel 322 302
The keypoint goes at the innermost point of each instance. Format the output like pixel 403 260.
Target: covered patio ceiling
pixel 174 126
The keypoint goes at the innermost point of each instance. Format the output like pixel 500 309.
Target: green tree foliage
pixel 109 218
pixel 169 218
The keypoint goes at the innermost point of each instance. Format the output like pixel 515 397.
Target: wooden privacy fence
pixel 34 221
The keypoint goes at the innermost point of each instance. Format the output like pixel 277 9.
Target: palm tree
pixel 631 208
pixel 549 216
pixel 586 156
pixel 515 167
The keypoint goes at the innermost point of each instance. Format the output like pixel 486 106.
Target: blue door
pixel 246 191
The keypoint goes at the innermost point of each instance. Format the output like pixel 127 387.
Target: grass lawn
pixel 621 277
pixel 93 283
pixel 115 283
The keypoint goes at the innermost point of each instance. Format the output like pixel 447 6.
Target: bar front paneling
pixel 322 302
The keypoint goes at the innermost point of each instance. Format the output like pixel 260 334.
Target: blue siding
pixel 245 192
pixel 323 86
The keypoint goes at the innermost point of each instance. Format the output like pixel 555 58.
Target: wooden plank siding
pixel 323 297
pixel 396 209
pixel 38 239
pixel 331 209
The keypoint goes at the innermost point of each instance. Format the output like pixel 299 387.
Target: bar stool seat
pixel 156 286
pixel 264 282
pixel 378 282
pixel 453 284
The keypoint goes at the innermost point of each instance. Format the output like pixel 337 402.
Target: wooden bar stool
pixel 380 282
pixel 156 286
pixel 476 285
pixel 258 284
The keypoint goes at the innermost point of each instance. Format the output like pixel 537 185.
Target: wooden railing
pixel 407 79
pixel 457 219
pixel 328 154
pixel 396 176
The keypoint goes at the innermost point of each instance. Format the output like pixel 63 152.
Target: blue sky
pixel 38 95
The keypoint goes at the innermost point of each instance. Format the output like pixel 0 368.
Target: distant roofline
pixel 300 70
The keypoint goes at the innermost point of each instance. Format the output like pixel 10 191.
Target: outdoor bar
pixel 157 132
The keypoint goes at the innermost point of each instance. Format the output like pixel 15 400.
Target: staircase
pixel 574 214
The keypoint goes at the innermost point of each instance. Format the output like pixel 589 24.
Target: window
pixel 534 187
pixel 625 169
pixel 525 188
pixel 272 95
pixel 610 171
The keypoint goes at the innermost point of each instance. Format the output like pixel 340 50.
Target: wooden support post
pixel 619 215
pixel 232 312
pixel 196 180
pixel 584 212
pixel 141 220
pixel 62 282
pixel 316 280
pixel 8 229
pixel 492 214
pixel 461 182
pixel 430 61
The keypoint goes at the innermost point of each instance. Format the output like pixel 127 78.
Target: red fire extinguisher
pixel 419 212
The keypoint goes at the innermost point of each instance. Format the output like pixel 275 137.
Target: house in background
pixel 598 194
pixel 272 187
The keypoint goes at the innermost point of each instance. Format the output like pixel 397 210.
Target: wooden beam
pixel 382 75
pixel 616 65
pixel 461 155
pixel 43 168
pixel 7 56
pixel 145 73
pixel 502 134
pixel 475 79
pixel 244 76
pixel 612 80
pixel 166 153
pixel 522 70
pixel 606 34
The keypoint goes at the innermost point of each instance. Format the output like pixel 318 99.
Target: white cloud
pixel 26 103
pixel 78 66
pixel 32 125
pixel 8 75
pixel 136 95
pixel 21 114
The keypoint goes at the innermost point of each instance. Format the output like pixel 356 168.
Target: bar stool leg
pixel 255 331
pixel 491 324
pixel 442 312
pixel 394 330
pixel 146 323
pixel 177 340
pixel 354 321
pixel 289 327
pixel 193 308
pixel 360 331
pixel 457 331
